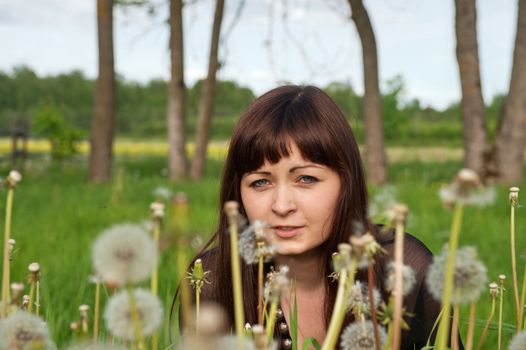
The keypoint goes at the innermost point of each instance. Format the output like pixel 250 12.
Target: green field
pixel 57 216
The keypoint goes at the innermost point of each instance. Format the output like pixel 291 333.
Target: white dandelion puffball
pixel 14 176
pixel 22 330
pixel 470 276
pixel 118 314
pixel 359 301
pixel 360 336
pixel 124 254
pixel 408 278
pixel 518 342
pixel 248 243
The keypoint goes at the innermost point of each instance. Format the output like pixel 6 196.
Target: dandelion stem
pixel 443 327
pixel 486 326
pixel 373 307
pixel 236 279
pixel 271 320
pixel 155 275
pixel 501 301
pixel 137 331
pixel 523 298
pixel 6 262
pixel 518 313
pixel 398 290
pixel 345 280
pixel 185 288
pixel 471 326
pixel 37 300
pixel 261 310
pixel 96 311
pixel 197 304
pixel 389 336
pixel 454 327
pixel 31 296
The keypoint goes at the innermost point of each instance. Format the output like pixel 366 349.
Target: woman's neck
pixel 306 270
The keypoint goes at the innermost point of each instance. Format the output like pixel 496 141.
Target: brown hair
pixel 308 117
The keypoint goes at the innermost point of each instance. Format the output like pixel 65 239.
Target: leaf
pixel 310 341
pixel 294 320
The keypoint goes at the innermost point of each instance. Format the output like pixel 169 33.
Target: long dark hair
pixel 308 117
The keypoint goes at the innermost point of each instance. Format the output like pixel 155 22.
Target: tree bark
pixel 176 118
pixel 472 103
pixel 103 123
pixel 506 160
pixel 372 111
pixel 206 103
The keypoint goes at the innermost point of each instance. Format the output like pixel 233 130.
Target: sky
pixel 269 43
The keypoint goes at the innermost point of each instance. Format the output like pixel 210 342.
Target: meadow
pixel 57 216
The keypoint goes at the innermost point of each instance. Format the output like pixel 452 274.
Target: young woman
pixel 294 163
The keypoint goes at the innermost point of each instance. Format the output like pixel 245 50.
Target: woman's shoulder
pixel 416 253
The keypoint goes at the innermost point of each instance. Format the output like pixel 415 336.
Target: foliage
pixel 63 137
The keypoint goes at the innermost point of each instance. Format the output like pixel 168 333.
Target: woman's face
pixel 296 197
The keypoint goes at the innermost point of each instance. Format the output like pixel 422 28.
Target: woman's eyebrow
pixel 258 172
pixel 300 167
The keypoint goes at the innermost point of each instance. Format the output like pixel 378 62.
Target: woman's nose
pixel 283 202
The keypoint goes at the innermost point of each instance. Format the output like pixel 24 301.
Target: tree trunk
pixel 177 161
pixel 206 103
pixel 103 123
pixel 506 160
pixel 372 111
pixel 473 109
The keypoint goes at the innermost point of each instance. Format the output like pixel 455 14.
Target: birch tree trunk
pixel 103 122
pixel 375 155
pixel 472 103
pixel 176 117
pixel 206 102
pixel 506 161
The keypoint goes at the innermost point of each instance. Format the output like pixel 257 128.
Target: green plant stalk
pixel 523 297
pixel 236 284
pixel 454 327
pixel 154 283
pixel 398 290
pixel 185 288
pixel 471 326
pixel 345 280
pixel 197 305
pixel 6 262
pixel 486 326
pixel 155 273
pixel 443 327
pixel 31 297
pixel 96 311
pixel 518 313
pixel 501 302
pixel 389 338
pixel 137 331
pixel 271 320
pixel 261 310
pixel 37 301
pixel 374 319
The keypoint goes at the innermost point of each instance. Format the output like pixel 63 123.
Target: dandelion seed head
pixel 360 336
pixel 382 200
pixel 359 302
pixel 34 267
pixel 467 188
pixel 514 196
pixel 518 342
pixel 408 278
pixel 162 193
pixel 469 280
pixel 22 330
pixel 254 243
pixel 493 289
pixel 157 210
pixel 364 248
pixel 13 178
pixel 118 314
pixel 124 254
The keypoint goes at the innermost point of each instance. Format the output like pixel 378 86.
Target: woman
pixel 294 163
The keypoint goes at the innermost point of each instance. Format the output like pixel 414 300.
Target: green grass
pixel 57 216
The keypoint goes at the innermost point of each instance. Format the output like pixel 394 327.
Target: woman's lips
pixel 286 231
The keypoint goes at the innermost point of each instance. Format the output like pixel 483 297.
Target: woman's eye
pixel 259 183
pixel 306 179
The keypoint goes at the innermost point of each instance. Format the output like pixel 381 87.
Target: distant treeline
pixel 141 110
